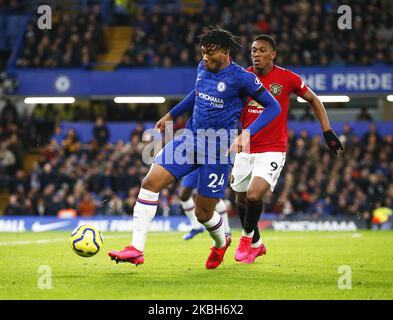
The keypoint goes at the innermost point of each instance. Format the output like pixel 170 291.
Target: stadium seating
pixel 115 171
pixel 308 38
pixel 163 33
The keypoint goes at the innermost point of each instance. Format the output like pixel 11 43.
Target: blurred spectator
pixel 364 115
pixel 87 206
pixel 101 132
pixel 372 138
pixel 347 134
pixel 7 160
pixel 307 115
pixel 71 142
pixel 14 208
pixel 58 135
pixel 19 182
pixel 74 41
pixel 115 206
pixel 291 115
pixel 12 6
pixel 8 114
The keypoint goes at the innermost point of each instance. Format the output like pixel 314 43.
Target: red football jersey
pixel 281 83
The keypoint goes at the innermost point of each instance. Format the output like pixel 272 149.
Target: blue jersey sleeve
pixel 250 85
pixel 272 110
pixel 253 87
pixel 187 104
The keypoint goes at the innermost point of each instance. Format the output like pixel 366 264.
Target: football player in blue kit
pixel 217 100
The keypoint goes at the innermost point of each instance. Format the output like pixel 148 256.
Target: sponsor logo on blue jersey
pixel 214 101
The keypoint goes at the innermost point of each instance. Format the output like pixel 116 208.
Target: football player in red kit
pixel 256 172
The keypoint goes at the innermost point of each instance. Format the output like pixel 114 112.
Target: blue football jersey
pixel 220 97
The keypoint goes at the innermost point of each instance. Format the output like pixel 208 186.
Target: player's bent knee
pixel 203 215
pixel 150 184
pixel 256 192
pixel 147 184
pixel 201 218
pixel 157 179
pixel 254 197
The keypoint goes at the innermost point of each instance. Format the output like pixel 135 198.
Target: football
pixel 86 240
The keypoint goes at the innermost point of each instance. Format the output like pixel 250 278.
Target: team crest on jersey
pixel 221 86
pixel 275 89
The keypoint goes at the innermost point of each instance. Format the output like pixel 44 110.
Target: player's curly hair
pixel 221 39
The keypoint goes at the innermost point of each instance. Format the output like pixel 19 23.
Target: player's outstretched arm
pixel 319 110
pixel 272 110
pixel 160 125
pixel 187 104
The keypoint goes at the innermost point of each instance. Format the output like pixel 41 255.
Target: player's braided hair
pixel 220 39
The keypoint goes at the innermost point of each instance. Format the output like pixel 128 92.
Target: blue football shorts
pixel 213 177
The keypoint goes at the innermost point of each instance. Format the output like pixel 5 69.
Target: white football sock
pixel 144 212
pixel 248 235
pixel 189 210
pixel 215 227
pixel 221 209
pixel 257 244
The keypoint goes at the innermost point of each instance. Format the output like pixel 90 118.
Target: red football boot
pixel 128 254
pixel 217 255
pixel 243 248
pixel 254 253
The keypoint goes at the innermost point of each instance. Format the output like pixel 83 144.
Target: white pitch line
pixel 44 241
pixel 11 243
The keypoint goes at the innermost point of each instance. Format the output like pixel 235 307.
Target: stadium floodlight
pixel 139 99
pixel 49 100
pixel 328 99
pixel 390 97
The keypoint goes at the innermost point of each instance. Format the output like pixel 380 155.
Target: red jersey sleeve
pixel 299 87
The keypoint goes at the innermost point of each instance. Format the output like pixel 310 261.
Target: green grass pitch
pixel 297 266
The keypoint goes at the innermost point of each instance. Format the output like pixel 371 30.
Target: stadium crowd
pixel 104 178
pixel 317 183
pixel 306 32
pixel 12 148
pixel 12 6
pixel 74 41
